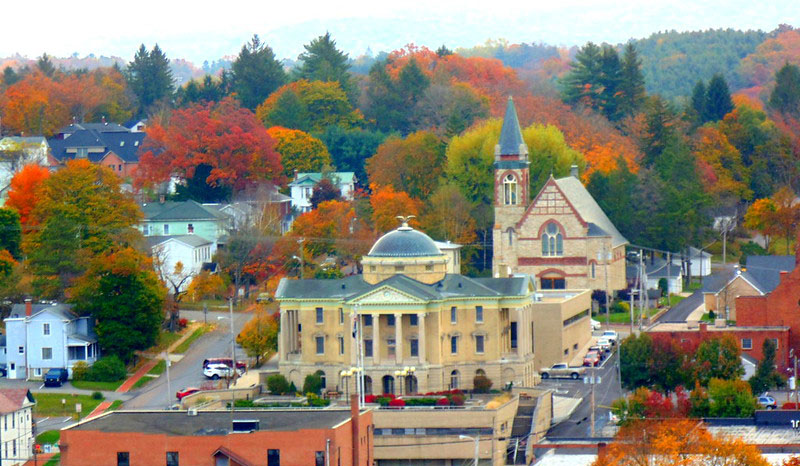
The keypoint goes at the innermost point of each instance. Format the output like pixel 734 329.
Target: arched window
pixel 367 385
pixel 388 384
pixel 510 233
pixel 454 380
pixel 510 190
pixel 321 375
pixel 552 241
pixel 594 269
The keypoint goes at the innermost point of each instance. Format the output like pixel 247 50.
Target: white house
pixel 658 269
pixel 45 336
pixel 192 251
pixel 17 152
pixel 16 430
pixel 700 262
pixel 303 187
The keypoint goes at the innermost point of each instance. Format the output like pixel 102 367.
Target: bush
pixel 107 369
pixel 370 399
pixel 442 402
pixel 97 396
pixel 292 388
pixel 243 404
pixel 315 401
pixel 481 384
pixel 312 384
pixel 397 402
pixel 620 306
pixel 278 385
pixel 457 400
pixel 80 370
pixel 182 323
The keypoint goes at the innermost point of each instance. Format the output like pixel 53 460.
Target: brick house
pixel 243 438
pixel 563 237
pixel 110 145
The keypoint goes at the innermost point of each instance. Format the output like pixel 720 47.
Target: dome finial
pixel 404 221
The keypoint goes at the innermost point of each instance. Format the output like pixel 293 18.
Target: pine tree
pixel 45 65
pixel 631 88
pixel 581 84
pixel 610 79
pixel 322 61
pixel 785 98
pixel 443 51
pixel 384 106
pixel 658 129
pixel 766 377
pixel 699 102
pixel 256 73
pixel 718 99
pixel 10 76
pixel 150 77
pixel 411 85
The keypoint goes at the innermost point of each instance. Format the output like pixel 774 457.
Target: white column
pixel 520 333
pixel 283 344
pixel 398 339
pixel 421 338
pixel 353 340
pixel 376 339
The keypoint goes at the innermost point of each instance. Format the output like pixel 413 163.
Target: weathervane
pixel 404 220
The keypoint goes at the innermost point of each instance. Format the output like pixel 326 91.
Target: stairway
pixel 520 430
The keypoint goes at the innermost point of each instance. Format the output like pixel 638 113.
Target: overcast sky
pixel 205 30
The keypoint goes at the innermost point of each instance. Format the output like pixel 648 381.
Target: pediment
pixel 386 295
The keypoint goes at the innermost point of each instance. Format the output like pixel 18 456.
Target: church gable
pixel 550 202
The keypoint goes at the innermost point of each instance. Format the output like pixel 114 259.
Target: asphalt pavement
pixel 188 372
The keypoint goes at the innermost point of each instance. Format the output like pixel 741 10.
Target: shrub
pixel 312 384
pixel 292 388
pixel 442 402
pixel 278 385
pixel 182 323
pixel 107 369
pixel 243 404
pixel 97 396
pixel 383 400
pixel 370 398
pixel 481 384
pixel 397 402
pixel 315 401
pixel 80 371
pixel 457 400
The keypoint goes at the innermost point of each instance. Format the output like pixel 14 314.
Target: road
pixel 608 390
pixel 188 371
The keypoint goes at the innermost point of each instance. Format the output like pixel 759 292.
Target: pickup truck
pixel 562 370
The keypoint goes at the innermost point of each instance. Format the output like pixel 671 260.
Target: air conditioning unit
pixel 192 412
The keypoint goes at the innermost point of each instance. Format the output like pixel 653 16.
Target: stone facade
pixel 726 297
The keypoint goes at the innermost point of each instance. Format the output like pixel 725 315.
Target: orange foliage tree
pixel 681 442
pixel 23 192
pixel 221 135
pixel 776 216
pixel 725 175
pixel 331 228
pixel 412 164
pixel 299 151
pixel 32 106
pixel 387 204
pixel 758 69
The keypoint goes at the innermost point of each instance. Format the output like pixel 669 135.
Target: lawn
pixel 49 404
pixel 50 436
pixel 165 339
pixel 674 299
pixel 99 386
pixel 623 317
pixel 198 332
pixel 157 370
pixel 115 405
pixel 55 460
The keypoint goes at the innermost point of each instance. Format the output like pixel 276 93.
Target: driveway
pixel 188 372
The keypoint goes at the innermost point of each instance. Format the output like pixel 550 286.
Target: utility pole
pixel 795 381
pixel 302 260
pixel 607 258
pixel 669 277
pixel 642 290
pixel 592 381
pixel 630 308
pixel 169 387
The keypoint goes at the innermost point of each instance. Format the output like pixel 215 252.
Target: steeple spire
pixel 511 142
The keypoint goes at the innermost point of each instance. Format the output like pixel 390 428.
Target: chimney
pixel 28 307
pixel 573 171
pixel 104 120
pixel 162 198
pixel 296 172
pixel 703 327
pixel 354 419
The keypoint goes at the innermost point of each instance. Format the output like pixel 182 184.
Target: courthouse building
pixel 418 312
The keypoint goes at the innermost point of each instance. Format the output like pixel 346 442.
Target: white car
pixel 595 325
pixel 604 344
pixel 611 336
pixel 218 371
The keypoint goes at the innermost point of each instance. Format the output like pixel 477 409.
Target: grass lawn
pixel 99 386
pixel 50 436
pixel 55 460
pixel 157 370
pixel 622 317
pixel 198 332
pixel 674 299
pixel 49 404
pixel 165 339
pixel 115 405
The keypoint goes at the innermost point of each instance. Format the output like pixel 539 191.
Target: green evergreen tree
pixel 10 76
pixel 443 51
pixel 384 106
pixel 350 148
pixel 582 83
pixel 10 231
pixel 698 102
pixel 150 77
pixel 659 120
pixel 785 98
pixel 256 73
pixel 718 99
pixel 610 79
pixel 322 61
pixel 411 85
pixel 766 377
pixel 631 87
pixel 45 65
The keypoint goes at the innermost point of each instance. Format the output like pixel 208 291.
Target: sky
pixel 204 30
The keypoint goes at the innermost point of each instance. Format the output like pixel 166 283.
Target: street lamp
pixel 476 440
pixel 402 374
pixel 346 374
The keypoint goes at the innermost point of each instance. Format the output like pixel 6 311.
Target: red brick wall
pixel 113 162
pixel 780 307
pixel 85 447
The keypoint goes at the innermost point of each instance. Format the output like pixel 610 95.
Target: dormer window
pixel 510 190
pixel 552 241
pixel 82 152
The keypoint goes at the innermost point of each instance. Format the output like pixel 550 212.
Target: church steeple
pixel 511 143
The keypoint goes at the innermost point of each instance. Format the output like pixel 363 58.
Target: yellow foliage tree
pixel 299 151
pixel 259 335
pixel 206 286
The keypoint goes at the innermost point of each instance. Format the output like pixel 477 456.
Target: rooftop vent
pixel 121 143
pixel 192 412
pixel 245 425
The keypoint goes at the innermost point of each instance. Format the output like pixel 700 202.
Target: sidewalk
pixel 98 410
pixel 128 384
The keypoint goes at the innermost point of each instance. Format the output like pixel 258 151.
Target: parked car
pixel 604 344
pixel 595 325
pixel 591 359
pixel 767 402
pixel 3 370
pixel 600 351
pixel 562 370
pixel 240 365
pixel 218 371
pixel 264 298
pixel 186 392
pixel 611 336
pixel 55 377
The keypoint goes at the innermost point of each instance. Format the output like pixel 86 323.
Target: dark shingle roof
pixel 212 422
pixel 99 127
pixel 184 210
pixel 64 310
pixel 766 270
pixel 658 269
pixel 588 208
pixel 125 144
pixel 511 134
pixel 404 242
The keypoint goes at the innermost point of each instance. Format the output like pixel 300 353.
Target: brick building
pixel 562 237
pixel 243 438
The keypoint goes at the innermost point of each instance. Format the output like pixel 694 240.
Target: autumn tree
pixel 721 168
pixel 777 216
pixel 81 213
pixel 448 108
pixel 387 204
pixel 256 73
pixel 222 135
pixel 331 228
pixel 766 376
pixel 718 358
pixel 32 106
pixel 325 190
pixel 206 285
pixel 23 192
pixel 259 335
pixel 412 164
pixel 121 292
pixel 150 77
pixel 760 217
pixel 318 105
pixel 299 151
pixel 245 256
pixel 447 216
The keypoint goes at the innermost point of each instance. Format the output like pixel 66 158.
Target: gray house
pixel 44 336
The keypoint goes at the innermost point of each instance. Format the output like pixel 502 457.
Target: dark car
pixel 3 370
pixel 55 377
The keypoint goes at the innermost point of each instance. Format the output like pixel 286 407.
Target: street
pixel 188 372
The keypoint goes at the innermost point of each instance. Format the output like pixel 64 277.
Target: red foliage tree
pixel 23 194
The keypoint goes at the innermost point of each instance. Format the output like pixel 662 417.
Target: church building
pixel 562 238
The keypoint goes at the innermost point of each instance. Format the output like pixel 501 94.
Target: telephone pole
pixel 302 260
